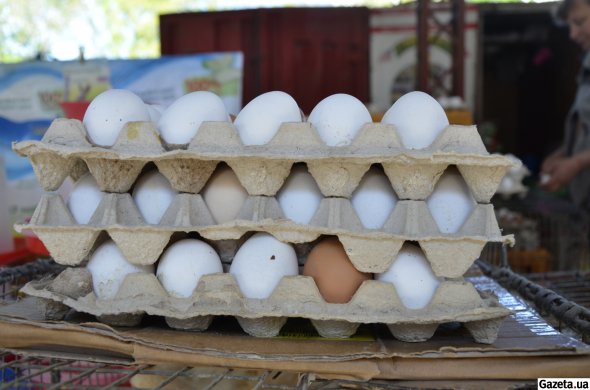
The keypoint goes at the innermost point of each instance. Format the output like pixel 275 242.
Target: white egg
pixel 338 118
pixel 180 122
pixel 374 199
pixel 300 196
pixel 155 111
pixel 260 264
pixel 109 267
pixel 451 201
pixel 183 263
pixel 223 194
pixel 260 119
pixel 84 199
pixel 109 112
pixel 412 276
pixel 152 195
pixel 419 119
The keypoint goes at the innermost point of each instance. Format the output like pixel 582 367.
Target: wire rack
pixel 28 372
pixel 574 285
pixel 21 372
pixel 563 297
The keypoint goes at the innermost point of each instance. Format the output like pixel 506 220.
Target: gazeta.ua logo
pixel 563 383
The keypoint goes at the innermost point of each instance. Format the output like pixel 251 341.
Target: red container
pixel 35 245
pixel 75 110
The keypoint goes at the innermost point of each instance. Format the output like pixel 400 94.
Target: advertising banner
pixel 31 94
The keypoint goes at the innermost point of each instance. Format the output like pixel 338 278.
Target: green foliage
pixel 114 28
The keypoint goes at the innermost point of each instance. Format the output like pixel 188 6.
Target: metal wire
pixel 11 279
pixel 79 377
pixel 564 310
pixel 21 372
pixel 30 270
pixel 574 285
pixel 172 377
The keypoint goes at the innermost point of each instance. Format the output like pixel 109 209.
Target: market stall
pixel 275 247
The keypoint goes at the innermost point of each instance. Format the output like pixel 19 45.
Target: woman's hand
pixel 559 172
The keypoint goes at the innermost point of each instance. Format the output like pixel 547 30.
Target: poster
pixel 31 93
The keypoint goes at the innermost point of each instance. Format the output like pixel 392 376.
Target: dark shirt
pixel 577 135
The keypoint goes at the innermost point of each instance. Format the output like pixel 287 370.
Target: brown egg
pixel 333 272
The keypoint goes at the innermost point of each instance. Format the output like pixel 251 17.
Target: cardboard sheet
pixel 526 348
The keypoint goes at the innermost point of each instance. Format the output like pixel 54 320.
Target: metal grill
pixel 27 372
pixel 561 304
pixel 20 372
pixel 574 285
pixel 12 279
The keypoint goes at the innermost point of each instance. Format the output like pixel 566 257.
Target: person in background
pixel 569 165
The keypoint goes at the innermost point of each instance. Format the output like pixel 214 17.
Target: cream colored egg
pixel 181 121
pixel 451 201
pixel 412 277
pixel 109 112
pixel 224 195
pixel 109 268
pixel 419 119
pixel 182 265
pixel 258 122
pixel 300 196
pixel 84 199
pixel 260 264
pixel 338 119
pixel 153 194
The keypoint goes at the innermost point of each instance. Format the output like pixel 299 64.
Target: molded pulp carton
pixel 295 296
pixel 262 170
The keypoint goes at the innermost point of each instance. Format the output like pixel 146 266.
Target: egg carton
pixel 262 169
pixel 295 296
pixel 370 250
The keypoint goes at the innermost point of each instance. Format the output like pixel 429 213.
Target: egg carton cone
pixel 198 323
pixel 295 296
pixel 370 250
pixel 262 169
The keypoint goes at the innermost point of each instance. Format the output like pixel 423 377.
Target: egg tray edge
pixel 295 296
pixel 450 255
pixel 262 169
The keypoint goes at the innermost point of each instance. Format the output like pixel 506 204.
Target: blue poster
pixel 31 93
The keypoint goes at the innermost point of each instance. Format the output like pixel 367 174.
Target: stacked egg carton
pixel 65 151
